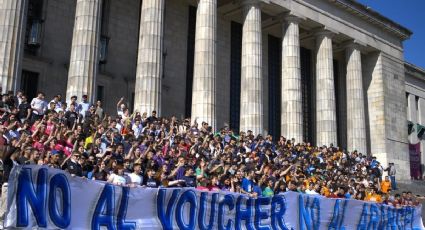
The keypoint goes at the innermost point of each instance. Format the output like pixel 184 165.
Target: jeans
pixel 393 184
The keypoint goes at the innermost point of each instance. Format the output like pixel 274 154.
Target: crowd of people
pixel 144 150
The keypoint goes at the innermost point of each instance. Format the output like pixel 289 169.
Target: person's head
pixel 122 106
pixel 85 97
pixel 154 113
pixel 27 150
pixel 24 98
pixel 292 185
pixel 181 161
pixel 5 97
pixel 52 105
pixel 227 181
pixel 250 174
pixel 119 170
pixel 55 98
pixel 151 172
pixel 120 148
pixel 72 107
pixel 73 99
pixel 387 178
pixel 188 171
pixel 76 155
pixel 98 103
pixel 40 95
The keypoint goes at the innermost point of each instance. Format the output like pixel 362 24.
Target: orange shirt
pixel 325 191
pixel 385 186
pixel 373 197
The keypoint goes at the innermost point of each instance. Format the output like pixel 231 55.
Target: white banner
pixel 48 198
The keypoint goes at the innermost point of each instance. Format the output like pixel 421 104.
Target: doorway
pixel 29 83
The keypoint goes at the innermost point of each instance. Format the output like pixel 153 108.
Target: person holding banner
pixel 165 152
pixel 135 178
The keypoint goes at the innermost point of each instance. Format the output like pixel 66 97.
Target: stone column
pixel 150 57
pixel 85 49
pixel 204 73
pixel 251 114
pixel 326 130
pixel 356 122
pixel 292 114
pixel 11 29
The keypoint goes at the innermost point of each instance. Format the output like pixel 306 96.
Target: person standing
pixel 24 109
pixel 391 173
pixel 84 106
pixel 38 106
pixel 99 110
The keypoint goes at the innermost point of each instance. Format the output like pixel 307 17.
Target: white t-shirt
pixel 38 106
pixel 117 179
pixel 137 129
pixel 135 179
pixel 311 192
pixel 84 108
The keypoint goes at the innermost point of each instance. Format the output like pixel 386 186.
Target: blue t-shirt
pixel 257 189
pixel 247 185
pixel 347 195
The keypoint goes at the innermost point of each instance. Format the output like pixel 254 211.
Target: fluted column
pixel 150 60
pixel 11 24
pixel 85 49
pixel 204 73
pixel 356 123
pixel 292 114
pixel 251 114
pixel 326 130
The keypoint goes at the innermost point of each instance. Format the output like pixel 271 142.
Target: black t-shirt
pixel 151 182
pixel 74 168
pixel 49 111
pixel 8 164
pixel 101 175
pixel 71 117
pixel 190 181
pixel 118 157
pixel 23 110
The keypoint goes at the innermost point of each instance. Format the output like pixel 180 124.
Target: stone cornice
pixel 414 70
pixel 374 17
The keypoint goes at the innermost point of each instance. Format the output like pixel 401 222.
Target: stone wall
pixel 384 83
pixel 52 60
pixel 118 74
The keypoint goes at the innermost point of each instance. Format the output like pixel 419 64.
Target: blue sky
pixel 410 14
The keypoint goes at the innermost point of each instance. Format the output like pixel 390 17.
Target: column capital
pixel 247 3
pixel 324 31
pixel 291 18
pixel 353 44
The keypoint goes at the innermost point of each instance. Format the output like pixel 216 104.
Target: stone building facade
pixel 324 71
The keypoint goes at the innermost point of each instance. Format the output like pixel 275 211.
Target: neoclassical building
pixel 324 71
